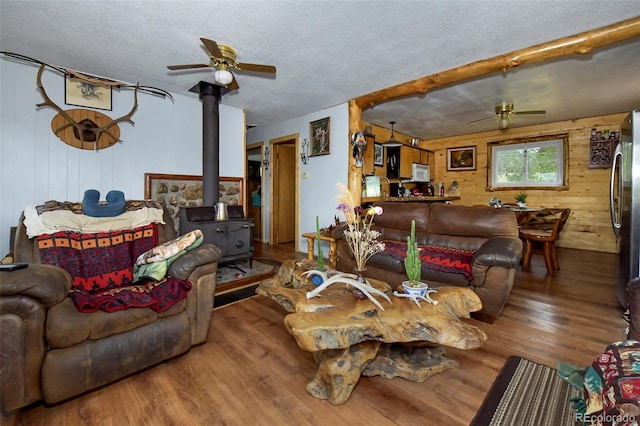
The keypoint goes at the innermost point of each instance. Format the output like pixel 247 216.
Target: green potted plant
pixel 318 279
pixel 521 199
pixel 413 266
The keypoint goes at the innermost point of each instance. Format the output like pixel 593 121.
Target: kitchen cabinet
pixel 401 158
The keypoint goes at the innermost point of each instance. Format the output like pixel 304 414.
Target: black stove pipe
pixel 210 95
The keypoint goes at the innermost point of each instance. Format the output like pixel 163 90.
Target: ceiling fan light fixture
pixel 504 121
pixel 392 139
pixel 223 77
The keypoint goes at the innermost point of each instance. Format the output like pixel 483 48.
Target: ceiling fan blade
pixel 481 119
pixel 233 85
pixel 256 67
pixel 212 47
pixel 530 112
pixel 185 67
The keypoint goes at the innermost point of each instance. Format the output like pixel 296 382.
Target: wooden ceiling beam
pixel 582 43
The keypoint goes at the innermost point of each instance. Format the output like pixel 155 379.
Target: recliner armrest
pixel 205 254
pixel 47 283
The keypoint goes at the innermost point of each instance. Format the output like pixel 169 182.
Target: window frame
pixel 564 137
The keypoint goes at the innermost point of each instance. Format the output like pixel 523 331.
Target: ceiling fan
pixel 223 57
pixel 504 112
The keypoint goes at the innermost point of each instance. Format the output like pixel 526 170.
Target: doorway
pixel 284 200
pixel 254 196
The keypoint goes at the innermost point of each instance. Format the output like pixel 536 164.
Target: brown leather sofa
pixel 491 233
pixel 49 350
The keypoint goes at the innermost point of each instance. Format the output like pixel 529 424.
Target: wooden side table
pixel 333 250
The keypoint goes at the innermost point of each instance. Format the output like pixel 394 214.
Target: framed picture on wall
pixel 175 191
pixel 378 155
pixel 82 93
pixel 459 159
pixel 319 132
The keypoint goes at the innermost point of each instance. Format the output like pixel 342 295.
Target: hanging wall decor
pixel 84 128
pixel 80 92
pixel 319 130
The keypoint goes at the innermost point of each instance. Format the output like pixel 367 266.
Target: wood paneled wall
pixel 589 227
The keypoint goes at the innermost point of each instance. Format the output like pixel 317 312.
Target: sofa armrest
pixel 184 265
pixel 46 283
pixel 498 251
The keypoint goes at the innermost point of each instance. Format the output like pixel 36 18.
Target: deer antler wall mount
pixel 83 128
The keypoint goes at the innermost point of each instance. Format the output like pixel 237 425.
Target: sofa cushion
pixel 66 326
pixel 472 221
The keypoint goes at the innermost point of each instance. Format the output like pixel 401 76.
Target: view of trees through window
pixel 538 163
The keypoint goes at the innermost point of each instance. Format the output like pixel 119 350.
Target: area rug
pixel 527 393
pixel 238 274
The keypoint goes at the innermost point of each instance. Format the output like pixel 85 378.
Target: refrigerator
pixel 625 201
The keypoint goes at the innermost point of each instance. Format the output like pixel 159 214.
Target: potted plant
pixel 318 279
pixel 413 266
pixel 521 199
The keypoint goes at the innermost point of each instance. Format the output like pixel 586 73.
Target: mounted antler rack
pixel 84 128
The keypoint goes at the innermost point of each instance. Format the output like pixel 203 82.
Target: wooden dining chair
pixel 545 229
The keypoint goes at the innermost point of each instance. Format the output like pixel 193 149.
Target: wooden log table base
pixel 350 338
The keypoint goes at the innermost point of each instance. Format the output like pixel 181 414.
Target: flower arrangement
pixel 362 240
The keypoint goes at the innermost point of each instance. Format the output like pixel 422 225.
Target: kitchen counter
pixel 423 199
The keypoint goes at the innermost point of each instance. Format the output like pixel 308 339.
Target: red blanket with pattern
pixel 436 258
pixel 101 265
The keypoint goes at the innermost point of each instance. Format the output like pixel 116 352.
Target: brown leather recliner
pixel 49 350
pixel 492 234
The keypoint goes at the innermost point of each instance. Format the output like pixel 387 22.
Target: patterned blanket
pixel 436 258
pixel 101 265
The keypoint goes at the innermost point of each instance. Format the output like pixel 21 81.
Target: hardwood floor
pixel 251 372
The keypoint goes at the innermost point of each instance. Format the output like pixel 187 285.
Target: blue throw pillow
pixel 91 203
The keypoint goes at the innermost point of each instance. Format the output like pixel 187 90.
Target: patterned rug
pixel 527 393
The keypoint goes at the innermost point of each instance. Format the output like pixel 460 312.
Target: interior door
pixel 284 192
pixel 254 194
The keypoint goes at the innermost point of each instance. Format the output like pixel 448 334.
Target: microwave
pixel 420 173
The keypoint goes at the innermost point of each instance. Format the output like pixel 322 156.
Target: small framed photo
pixel 79 92
pixel 320 132
pixel 378 155
pixel 459 159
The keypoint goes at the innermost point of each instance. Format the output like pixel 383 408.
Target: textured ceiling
pixel 327 52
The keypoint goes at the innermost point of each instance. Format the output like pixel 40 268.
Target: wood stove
pixel 232 236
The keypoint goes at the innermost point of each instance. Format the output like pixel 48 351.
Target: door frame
pixel 247 199
pixel 272 227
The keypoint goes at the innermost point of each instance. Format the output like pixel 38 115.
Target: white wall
pixel 317 192
pixel 36 166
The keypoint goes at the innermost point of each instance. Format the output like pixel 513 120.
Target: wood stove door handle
pixel 221 231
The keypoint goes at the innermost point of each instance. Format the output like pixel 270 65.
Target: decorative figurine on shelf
pixel 359 144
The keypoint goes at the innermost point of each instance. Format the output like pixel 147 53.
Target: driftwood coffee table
pixel 350 338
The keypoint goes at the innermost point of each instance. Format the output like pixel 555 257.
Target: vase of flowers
pixel 359 235
pixel 362 241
